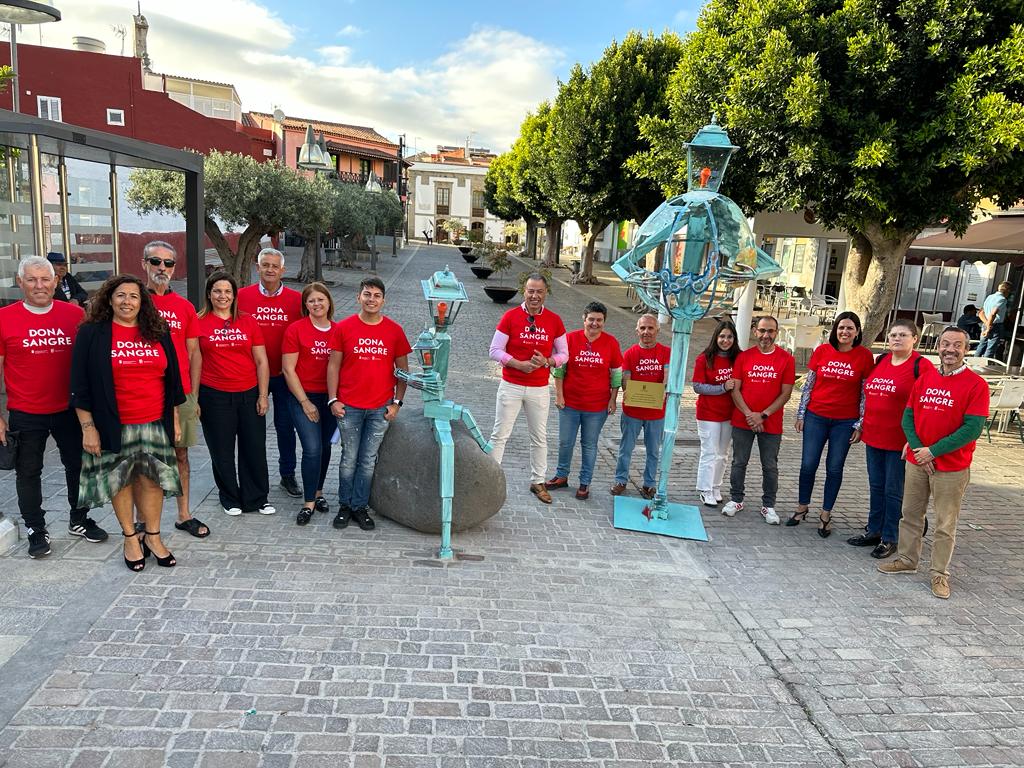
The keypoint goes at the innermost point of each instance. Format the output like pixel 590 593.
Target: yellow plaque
pixel 644 394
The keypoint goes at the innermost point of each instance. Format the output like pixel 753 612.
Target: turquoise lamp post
pixel 688 254
pixel 445 296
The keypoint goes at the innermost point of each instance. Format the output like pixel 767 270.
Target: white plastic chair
pixel 1007 403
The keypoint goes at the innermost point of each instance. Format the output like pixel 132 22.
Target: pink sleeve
pixel 498 343
pixel 561 351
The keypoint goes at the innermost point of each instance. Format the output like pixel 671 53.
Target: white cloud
pixel 351 30
pixel 484 83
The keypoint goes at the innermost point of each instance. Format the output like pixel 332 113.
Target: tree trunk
pixel 237 264
pixel 551 230
pixel 586 275
pixel 872 274
pixel 307 268
pixel 531 239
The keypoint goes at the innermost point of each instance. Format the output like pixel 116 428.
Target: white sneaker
pixel 266 509
pixel 768 513
pixel 708 499
pixel 730 509
pixel 233 511
pixel 718 494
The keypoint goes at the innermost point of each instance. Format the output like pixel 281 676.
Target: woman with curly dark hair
pixel 126 389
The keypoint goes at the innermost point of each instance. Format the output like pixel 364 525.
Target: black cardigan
pixel 92 383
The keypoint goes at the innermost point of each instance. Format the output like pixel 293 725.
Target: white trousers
pixel 715 438
pixel 536 401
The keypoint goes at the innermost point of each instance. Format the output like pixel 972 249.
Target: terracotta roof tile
pixel 338 129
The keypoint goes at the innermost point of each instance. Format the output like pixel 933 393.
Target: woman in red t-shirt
pixel 829 412
pixel 306 349
pixel 713 381
pixel 886 390
pixel 125 347
pixel 233 390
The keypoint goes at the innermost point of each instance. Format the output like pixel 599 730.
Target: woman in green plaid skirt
pixel 125 387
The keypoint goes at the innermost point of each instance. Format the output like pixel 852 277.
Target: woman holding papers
pixel 712 381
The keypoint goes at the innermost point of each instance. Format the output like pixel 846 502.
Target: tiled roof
pixel 339 129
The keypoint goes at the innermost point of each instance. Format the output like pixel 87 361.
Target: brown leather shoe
pixel 557 482
pixel 648 492
pixel 940 586
pixel 583 493
pixel 618 489
pixel 538 490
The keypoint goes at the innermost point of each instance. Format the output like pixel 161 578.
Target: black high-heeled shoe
pixel 825 526
pixel 163 562
pixel 135 565
pixel 797 518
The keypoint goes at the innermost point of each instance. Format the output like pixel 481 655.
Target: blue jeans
pixel 631 428
pixel 362 432
pixel 284 425
pixel 886 471
pixel 315 438
pixel 992 343
pixel 817 432
pixel 588 424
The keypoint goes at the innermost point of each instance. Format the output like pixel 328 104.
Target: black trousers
pixel 34 429
pixel 230 418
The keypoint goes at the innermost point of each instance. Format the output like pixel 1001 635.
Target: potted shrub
pixel 500 262
pixel 483 250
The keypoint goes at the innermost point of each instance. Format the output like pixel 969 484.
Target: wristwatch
pixel 764 415
pixel 397 402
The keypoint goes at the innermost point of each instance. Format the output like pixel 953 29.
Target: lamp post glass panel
pixel 314 157
pixel 16 12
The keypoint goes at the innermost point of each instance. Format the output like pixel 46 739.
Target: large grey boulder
pixel 407 477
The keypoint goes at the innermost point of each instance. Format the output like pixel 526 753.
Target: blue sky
pixel 438 72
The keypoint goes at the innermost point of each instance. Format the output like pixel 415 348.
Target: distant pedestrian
pixel 830 413
pixel 644 361
pixel 993 314
pixel 970 322
pixel 68 288
pixel 528 342
pixel 586 389
pixel 943 419
pixel 713 382
pixel 764 377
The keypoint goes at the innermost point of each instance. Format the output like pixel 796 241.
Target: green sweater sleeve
pixel 616 378
pixel 968 432
pixel 559 372
pixel 908 429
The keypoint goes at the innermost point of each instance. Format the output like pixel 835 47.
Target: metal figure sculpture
pixel 445 296
pixel 688 254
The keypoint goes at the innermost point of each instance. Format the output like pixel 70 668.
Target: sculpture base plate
pixel 683 521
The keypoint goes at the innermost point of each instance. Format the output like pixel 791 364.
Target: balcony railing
pixel 442 210
pixel 478 213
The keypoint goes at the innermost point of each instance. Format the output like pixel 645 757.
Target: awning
pixel 1000 240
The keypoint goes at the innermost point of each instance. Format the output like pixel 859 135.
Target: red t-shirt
pixel 368 353
pixel 886 390
pixel 37 356
pixel 226 346
pixel 587 382
pixel 181 318
pixel 837 382
pixel 522 343
pixel 139 368
pixel 314 349
pixel 761 377
pixel 713 407
pixel 645 365
pixel 274 314
pixel 940 404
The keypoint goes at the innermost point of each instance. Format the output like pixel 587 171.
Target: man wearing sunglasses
pixel 159 260
pixel 528 342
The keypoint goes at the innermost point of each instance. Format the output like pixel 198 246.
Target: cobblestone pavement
pixel 559 642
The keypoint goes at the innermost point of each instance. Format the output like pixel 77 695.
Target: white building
pixel 446 185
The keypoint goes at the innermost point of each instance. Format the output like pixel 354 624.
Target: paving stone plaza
pixel 560 642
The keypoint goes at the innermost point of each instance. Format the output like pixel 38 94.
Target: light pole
pixel 16 12
pixel 374 188
pixel 314 157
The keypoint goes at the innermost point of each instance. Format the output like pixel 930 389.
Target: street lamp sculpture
pixel 445 296
pixel 313 156
pixel 688 254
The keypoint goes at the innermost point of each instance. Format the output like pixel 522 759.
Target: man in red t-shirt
pixel 36 336
pixel 645 361
pixel 764 377
pixel 275 307
pixel 528 342
pixel 365 395
pixel 158 261
pixel 944 417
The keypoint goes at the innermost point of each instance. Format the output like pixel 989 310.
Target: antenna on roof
pixel 120 31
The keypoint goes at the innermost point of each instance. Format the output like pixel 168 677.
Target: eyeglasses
pixel 156 262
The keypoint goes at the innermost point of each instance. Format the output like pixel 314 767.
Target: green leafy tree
pixel 535 182
pixel 598 130
pixel 880 117
pixel 238 192
pixel 500 197
pixel 312 203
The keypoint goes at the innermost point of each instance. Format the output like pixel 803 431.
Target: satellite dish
pixel 279 115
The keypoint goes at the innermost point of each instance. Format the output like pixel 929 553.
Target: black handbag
pixel 9 452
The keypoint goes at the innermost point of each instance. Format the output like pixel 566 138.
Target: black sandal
pixel 797 518
pixel 825 528
pixel 163 562
pixel 192 526
pixel 135 565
